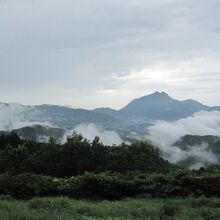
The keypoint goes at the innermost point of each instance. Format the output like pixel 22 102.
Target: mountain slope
pixel 213 142
pixel 40 133
pixel 108 111
pixel 156 106
pixel 160 106
pixel 201 150
pixel 68 117
pixel 147 109
pixel 16 115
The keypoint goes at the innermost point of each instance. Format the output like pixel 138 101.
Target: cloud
pixel 180 76
pixel 51 50
pixel 165 134
pixel 90 131
pixel 13 116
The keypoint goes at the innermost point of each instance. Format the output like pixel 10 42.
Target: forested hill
pixel 76 156
pixel 81 169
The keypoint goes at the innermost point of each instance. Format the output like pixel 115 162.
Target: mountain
pixel 216 108
pixel 141 111
pixel 156 106
pixel 201 149
pixel 40 133
pixel 68 117
pixel 13 115
pixel 40 122
pixel 160 106
pixel 192 140
pixel 108 111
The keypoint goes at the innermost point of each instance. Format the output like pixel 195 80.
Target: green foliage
pixel 6 197
pixel 83 169
pixel 27 185
pixel 170 208
pixel 76 156
pixel 129 209
pixel 113 186
pixel 59 204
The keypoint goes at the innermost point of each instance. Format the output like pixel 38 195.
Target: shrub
pixel 6 198
pixel 58 204
pixel 170 209
pixel 27 185
pixel 109 185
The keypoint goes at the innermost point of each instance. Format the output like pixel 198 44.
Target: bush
pixel 170 209
pixel 6 198
pixel 58 204
pixel 77 156
pixel 109 185
pixel 27 185
pixel 208 214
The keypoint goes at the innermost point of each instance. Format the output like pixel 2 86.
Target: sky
pixel 104 53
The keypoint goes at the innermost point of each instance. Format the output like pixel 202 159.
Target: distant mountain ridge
pixel 157 106
pixel 69 117
pixel 131 123
pixel 56 116
pixel 146 109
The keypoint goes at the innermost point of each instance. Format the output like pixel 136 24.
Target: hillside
pixel 40 133
pixel 207 147
pixel 157 106
pixel 76 156
pixel 147 109
pixel 16 115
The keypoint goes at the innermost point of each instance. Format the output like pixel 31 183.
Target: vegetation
pixel 113 186
pixel 76 156
pixel 128 209
pixel 80 169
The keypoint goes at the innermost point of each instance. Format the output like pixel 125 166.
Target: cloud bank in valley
pixel 162 134
pixel 90 131
pixel 165 134
pixel 13 116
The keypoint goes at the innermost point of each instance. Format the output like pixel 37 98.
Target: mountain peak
pixel 156 96
pixel 160 106
pixel 149 105
pixel 159 94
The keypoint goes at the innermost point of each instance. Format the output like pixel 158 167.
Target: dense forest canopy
pixel 76 156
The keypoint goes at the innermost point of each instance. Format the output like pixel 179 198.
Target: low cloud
pixel 162 134
pixel 165 134
pixel 90 131
pixel 13 116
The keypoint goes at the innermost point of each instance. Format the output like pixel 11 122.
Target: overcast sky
pixel 93 53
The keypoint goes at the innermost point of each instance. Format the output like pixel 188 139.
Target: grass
pixel 149 209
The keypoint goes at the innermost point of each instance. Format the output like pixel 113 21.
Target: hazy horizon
pixel 78 107
pixel 88 54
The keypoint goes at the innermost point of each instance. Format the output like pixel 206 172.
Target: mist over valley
pixel 185 132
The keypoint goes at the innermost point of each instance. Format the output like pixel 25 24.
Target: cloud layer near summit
pixel 105 53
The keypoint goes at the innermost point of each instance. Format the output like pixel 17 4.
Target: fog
pixel 13 116
pixel 164 135
pixel 90 131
